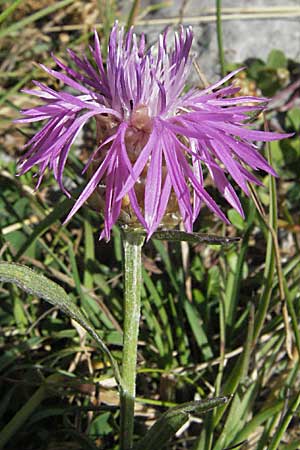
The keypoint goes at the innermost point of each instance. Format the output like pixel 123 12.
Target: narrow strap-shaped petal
pixel 223 80
pixel 162 205
pixel 197 170
pixel 95 152
pixel 177 179
pixel 136 208
pixel 204 195
pixel 116 173
pixel 225 188
pixel 247 153
pixel 66 80
pixel 254 135
pixel 141 161
pixel 200 190
pixel 223 154
pixel 153 186
pixel 91 186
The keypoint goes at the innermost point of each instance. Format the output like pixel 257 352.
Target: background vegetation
pixel 215 320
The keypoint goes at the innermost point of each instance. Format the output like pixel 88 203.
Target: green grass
pixel 239 336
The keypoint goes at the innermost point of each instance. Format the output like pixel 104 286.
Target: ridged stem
pixel 132 246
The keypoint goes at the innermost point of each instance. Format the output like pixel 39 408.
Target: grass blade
pixel 33 17
pixel 37 284
pixel 8 11
pixel 173 419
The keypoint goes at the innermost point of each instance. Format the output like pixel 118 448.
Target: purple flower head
pixel 154 139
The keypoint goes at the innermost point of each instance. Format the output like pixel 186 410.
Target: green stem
pixel 265 296
pixel 220 37
pixel 132 245
pixel 133 13
pixel 285 423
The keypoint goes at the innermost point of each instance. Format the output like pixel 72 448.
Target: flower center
pixel 136 137
pixel 138 132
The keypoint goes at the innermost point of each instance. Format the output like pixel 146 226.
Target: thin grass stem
pixel 220 36
pixel 133 13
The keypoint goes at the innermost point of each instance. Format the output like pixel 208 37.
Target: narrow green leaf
pixel 75 273
pixel 260 418
pixel 195 322
pixel 8 11
pixel 165 256
pixel 45 224
pixel 117 243
pixel 193 238
pixel 172 420
pixel 37 284
pixel 293 116
pixel 107 13
pixel 294 405
pixel 33 17
pixel 89 254
pixel 154 326
pixel 240 409
pixel 18 308
pixel 264 300
pixel 239 370
pixel 16 87
pixel 180 337
pixel 292 313
pixel 136 4
pixel 159 304
pixel 234 277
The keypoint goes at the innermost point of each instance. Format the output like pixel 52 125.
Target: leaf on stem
pixel 37 284
pixel 193 238
pixel 173 419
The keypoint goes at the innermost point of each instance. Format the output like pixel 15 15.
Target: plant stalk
pixel 132 269
pixel 136 4
pixel 220 36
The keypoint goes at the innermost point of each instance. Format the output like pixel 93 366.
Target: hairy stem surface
pixel 132 247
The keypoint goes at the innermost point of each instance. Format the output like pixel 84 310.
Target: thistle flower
pixel 154 139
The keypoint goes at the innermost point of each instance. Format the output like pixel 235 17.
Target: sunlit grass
pixel 238 336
